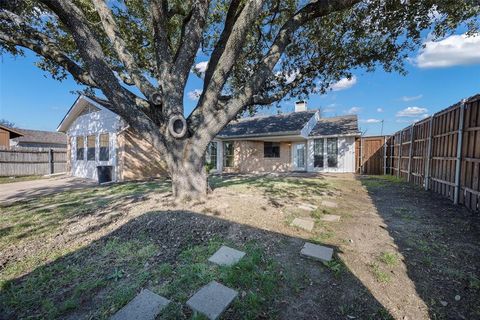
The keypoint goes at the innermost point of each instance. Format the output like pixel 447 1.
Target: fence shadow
pixel 439 242
pixel 150 252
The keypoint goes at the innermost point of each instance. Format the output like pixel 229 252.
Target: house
pixel 297 141
pixel 6 134
pixel 39 139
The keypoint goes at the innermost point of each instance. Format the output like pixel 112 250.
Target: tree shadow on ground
pixel 440 244
pixel 166 252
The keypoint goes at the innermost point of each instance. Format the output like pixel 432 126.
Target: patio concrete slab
pixel 303 223
pixel 317 252
pixel 226 256
pixel 330 218
pixel 329 204
pixel 307 206
pixel 145 306
pixel 212 300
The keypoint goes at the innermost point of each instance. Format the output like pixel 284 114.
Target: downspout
pixel 459 152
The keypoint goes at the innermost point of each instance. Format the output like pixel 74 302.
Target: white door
pixel 298 154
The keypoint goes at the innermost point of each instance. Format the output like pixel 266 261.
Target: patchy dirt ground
pixel 399 252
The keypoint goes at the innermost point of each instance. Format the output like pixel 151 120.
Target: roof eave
pixel 275 134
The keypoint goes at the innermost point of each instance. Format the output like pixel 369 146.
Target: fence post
pixel 410 153
pixel 361 155
pixel 50 161
pixel 400 147
pixel 384 155
pixel 459 153
pixel 429 155
pixel 392 149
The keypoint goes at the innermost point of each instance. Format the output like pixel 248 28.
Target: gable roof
pixel 276 125
pixel 13 132
pixel 38 136
pixel 81 104
pixel 345 125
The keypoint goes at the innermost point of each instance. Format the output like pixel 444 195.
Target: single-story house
pixel 39 139
pixel 6 134
pixel 297 141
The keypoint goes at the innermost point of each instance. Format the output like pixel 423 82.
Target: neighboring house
pixel 298 141
pixel 7 133
pixel 39 139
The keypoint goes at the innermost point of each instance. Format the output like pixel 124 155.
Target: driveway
pixel 23 190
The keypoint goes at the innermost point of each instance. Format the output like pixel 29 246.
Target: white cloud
pixel 411 98
pixel 412 112
pixel 344 84
pixel 451 51
pixel 354 110
pixel 379 109
pixel 371 120
pixel 201 67
pixel 194 94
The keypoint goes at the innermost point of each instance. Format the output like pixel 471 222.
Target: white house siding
pixel 94 123
pixel 346 155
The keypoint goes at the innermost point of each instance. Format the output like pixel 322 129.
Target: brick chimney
pixel 300 105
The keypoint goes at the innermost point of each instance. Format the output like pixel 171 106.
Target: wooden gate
pixel 372 155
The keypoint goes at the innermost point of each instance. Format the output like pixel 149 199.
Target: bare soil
pixel 400 252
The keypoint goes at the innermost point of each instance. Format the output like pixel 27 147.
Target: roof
pixel 13 132
pixel 277 125
pixel 81 104
pixel 336 126
pixel 38 136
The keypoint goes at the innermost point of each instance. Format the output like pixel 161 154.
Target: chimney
pixel 300 105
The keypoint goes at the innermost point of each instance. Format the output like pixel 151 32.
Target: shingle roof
pixel 38 136
pixel 336 126
pixel 277 125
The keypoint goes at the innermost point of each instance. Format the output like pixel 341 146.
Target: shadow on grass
pixel 167 252
pixel 440 243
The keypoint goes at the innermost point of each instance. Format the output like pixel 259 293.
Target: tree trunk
pixel 189 181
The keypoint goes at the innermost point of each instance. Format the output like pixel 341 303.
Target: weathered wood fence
pixel 32 161
pixel 441 153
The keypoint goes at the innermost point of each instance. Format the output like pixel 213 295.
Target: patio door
pixel 298 154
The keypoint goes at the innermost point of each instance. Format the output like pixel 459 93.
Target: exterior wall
pixel 138 159
pixel 346 156
pixel 4 139
pixel 248 158
pixel 94 123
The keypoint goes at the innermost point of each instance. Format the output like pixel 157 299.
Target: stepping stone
pixel 305 224
pixel 329 204
pixel 145 306
pixel 316 252
pixel 307 207
pixel 212 300
pixel 330 218
pixel 226 256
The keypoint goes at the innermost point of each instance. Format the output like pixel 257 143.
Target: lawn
pixel 84 254
pixel 18 179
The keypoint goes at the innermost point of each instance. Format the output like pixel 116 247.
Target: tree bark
pixel 189 181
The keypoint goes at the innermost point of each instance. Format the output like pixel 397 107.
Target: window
pixel 91 148
pixel 80 148
pixel 228 154
pixel 332 152
pixel 104 147
pixel 211 156
pixel 271 150
pixel 318 149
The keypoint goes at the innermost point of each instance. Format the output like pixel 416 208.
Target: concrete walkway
pixel 23 190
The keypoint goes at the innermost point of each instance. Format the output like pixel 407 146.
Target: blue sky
pixel 438 76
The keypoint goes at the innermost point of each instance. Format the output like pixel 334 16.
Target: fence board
pixel 32 161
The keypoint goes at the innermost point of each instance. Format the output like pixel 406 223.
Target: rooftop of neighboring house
pixel 38 136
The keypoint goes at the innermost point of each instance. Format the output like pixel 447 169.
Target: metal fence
pixel 32 161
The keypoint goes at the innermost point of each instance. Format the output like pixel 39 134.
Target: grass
pixel 380 181
pixel 380 275
pixel 18 179
pixel 389 258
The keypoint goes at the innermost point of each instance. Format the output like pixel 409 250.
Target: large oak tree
pixel 139 54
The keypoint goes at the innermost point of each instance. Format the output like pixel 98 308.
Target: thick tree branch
pixel 161 44
pixel 113 32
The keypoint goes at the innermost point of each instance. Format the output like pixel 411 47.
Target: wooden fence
pixel 440 153
pixel 32 161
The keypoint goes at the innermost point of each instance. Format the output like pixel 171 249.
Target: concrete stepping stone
pixel 329 204
pixel 330 218
pixel 305 224
pixel 317 252
pixel 307 207
pixel 226 256
pixel 212 300
pixel 145 306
